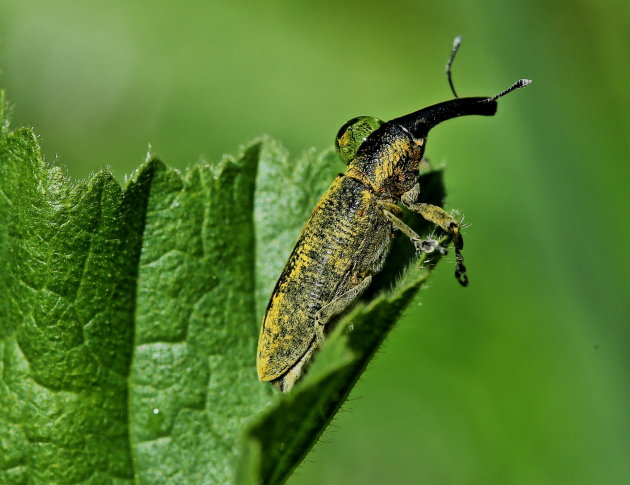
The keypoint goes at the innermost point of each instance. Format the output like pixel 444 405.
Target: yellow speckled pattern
pixel 323 265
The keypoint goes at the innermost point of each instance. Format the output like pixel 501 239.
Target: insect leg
pixel 425 245
pixel 423 167
pixel 440 217
pixel 434 214
pixel 339 304
pixel 288 380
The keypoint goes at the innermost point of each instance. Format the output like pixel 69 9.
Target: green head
pixel 353 133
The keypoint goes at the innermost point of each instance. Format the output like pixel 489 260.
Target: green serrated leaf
pixel 193 381
pixel 129 319
pixel 66 313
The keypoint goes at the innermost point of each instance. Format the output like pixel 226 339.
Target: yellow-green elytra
pixel 347 237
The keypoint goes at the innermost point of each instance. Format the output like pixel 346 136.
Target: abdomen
pixel 338 244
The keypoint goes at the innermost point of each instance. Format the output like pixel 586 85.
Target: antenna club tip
pixel 521 83
pixel 457 41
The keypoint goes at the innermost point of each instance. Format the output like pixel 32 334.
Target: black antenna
pixel 456 43
pixel 521 83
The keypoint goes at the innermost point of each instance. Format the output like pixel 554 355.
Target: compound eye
pixel 353 133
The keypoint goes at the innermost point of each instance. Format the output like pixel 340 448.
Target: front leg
pixel 440 217
pixel 434 214
pixel 339 304
pixel 422 245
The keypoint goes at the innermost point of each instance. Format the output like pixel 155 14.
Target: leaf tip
pixel 146 170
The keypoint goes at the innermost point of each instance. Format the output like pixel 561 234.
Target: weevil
pixel 346 239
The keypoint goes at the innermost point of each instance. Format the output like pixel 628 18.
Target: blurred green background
pixel 522 378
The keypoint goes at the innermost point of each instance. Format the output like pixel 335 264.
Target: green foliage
pixel 130 319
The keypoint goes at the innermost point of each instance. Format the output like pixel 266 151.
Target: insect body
pixel 347 237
